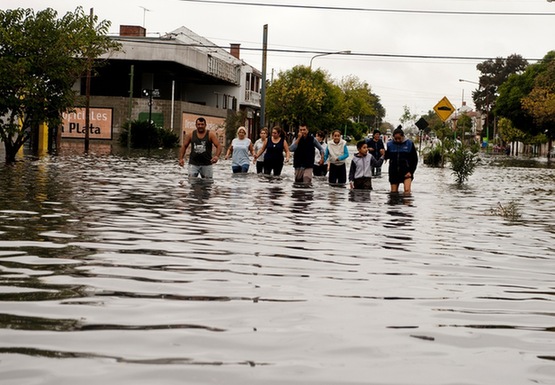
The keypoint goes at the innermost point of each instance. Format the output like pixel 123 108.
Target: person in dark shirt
pixel 201 159
pixel 377 149
pixel 303 155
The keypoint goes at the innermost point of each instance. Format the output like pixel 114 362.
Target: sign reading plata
pixel 444 109
pixel 100 123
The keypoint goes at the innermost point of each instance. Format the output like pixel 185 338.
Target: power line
pixel 313 52
pixel 359 9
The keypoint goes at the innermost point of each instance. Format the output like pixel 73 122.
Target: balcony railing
pixel 252 97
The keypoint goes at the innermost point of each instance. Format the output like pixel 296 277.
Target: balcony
pixel 253 98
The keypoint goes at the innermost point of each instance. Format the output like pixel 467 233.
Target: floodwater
pixel 116 269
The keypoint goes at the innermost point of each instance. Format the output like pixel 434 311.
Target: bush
pixel 168 139
pixel 147 135
pixel 463 163
pixel 434 157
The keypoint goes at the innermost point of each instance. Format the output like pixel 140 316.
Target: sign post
pixel 421 124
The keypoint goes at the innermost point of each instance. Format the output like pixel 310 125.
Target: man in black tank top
pixel 201 159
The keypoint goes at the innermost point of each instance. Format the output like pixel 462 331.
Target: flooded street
pixel 116 269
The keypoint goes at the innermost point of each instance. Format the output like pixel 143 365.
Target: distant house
pixel 475 117
pixel 182 73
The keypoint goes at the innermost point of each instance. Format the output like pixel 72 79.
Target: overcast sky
pixel 418 83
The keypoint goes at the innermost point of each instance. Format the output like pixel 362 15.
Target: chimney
pixel 132 30
pixel 235 50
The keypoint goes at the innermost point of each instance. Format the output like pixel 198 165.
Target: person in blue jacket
pixel 403 159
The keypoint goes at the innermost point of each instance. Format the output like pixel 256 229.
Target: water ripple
pixel 249 279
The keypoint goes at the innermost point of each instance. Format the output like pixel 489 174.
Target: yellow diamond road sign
pixel 444 109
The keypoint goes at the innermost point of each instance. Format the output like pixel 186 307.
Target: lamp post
pixel 487 104
pixel 328 53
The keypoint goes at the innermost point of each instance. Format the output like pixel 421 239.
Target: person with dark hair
pixel 336 154
pixel 360 172
pixel 403 160
pixel 273 150
pixel 259 160
pixel 303 157
pixel 320 169
pixel 377 149
pixel 201 159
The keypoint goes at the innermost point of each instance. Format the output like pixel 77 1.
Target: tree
pixel 363 105
pixel 527 99
pixel 495 72
pixel 407 116
pixel 508 133
pixel 407 121
pixel 464 124
pixel 509 102
pixel 41 57
pixel 540 102
pixel 435 124
pixel 301 94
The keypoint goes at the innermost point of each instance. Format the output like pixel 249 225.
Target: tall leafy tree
pixel 527 99
pixel 301 94
pixel 540 102
pixel 509 102
pixel 363 105
pixel 493 73
pixel 41 57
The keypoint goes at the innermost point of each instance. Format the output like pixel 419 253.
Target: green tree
pixel 526 98
pixel 464 125
pixel 495 72
pixel 509 102
pixel 301 94
pixel 540 102
pixel 363 105
pixel 407 116
pixel 508 133
pixel 41 57
pixel 435 124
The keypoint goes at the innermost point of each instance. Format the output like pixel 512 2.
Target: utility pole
pixel 88 90
pixel 264 63
pixel 131 80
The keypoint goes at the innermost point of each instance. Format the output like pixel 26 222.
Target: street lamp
pixel 487 102
pixel 328 53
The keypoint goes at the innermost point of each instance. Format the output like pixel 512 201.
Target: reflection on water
pixel 119 267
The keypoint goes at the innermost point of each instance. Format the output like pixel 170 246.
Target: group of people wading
pixel 311 156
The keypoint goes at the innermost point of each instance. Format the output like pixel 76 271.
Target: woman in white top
pixel 239 150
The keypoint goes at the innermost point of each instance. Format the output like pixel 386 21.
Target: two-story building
pixel 171 79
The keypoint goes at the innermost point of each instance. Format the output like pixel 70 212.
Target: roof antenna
pixel 145 10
